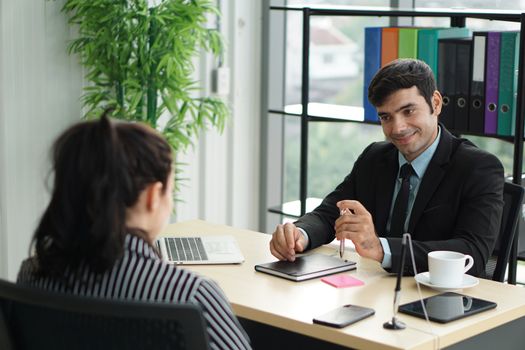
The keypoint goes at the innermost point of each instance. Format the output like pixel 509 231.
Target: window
pixel 336 68
pixel 328 58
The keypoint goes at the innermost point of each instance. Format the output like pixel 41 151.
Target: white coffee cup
pixel 446 268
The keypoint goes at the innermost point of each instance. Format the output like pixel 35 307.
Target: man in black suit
pixel 454 189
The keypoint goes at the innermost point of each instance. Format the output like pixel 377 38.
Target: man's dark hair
pixel 100 168
pixel 402 74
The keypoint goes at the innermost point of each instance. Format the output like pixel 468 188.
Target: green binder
pixel 407 43
pixel 508 83
pixel 427 43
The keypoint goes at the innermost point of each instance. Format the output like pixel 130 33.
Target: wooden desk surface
pixel 292 305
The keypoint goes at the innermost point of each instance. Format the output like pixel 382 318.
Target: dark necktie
pixel 399 214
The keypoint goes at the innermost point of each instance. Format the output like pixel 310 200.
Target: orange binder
pixel 389 44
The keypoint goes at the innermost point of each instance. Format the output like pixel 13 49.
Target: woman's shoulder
pixel 171 283
pixel 181 282
pixel 183 278
pixel 28 270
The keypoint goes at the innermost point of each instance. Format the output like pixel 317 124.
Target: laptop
pixel 200 250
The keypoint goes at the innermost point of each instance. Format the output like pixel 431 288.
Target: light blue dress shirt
pixel 420 165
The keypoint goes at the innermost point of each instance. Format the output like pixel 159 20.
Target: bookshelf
pixel 314 112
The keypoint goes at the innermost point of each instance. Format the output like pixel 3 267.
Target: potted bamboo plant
pixel 138 60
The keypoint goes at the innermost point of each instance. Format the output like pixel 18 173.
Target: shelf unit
pixel 305 112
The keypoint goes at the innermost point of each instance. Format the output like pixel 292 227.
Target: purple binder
pixel 492 82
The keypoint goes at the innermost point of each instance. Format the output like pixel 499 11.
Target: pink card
pixel 342 281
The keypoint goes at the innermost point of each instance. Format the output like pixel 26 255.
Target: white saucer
pixel 468 281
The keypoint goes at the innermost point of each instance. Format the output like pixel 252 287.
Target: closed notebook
pixel 306 267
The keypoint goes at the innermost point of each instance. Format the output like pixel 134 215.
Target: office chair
pixel 35 319
pixel 513 201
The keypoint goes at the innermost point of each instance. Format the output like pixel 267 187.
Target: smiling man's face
pixel 407 121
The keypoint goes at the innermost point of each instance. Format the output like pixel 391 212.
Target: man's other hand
pixel 286 241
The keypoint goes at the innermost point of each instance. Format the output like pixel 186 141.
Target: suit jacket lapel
pixel 386 176
pixel 433 176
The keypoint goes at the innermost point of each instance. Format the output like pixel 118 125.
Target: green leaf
pixel 140 61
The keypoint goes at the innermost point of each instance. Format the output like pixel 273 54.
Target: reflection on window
pixel 336 90
pixel 328 58
pixel 472 4
pixel 336 78
pixel 339 2
pixel 336 58
pixel 336 69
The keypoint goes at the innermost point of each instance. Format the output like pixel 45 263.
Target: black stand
pixel 394 324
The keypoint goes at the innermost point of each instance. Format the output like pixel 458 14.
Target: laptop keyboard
pixel 185 249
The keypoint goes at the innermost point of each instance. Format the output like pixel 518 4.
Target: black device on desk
pixel 344 316
pixel 394 323
pixel 447 307
pixel 307 267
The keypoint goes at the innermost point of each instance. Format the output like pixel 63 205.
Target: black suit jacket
pixel 458 205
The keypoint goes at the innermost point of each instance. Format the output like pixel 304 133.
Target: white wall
pixel 223 170
pixel 39 90
pixel 40 87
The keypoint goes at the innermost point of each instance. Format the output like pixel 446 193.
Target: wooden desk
pixel 290 306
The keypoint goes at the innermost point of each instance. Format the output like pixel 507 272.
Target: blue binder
pixel 372 64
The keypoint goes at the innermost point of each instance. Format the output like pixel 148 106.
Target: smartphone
pixel 344 316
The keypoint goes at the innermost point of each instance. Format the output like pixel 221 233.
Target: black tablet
pixel 447 307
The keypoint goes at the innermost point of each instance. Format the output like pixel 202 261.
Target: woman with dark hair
pixel 112 195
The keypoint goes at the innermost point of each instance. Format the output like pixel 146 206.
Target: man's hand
pixel 286 241
pixel 357 225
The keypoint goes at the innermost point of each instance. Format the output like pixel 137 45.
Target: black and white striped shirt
pixel 142 275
